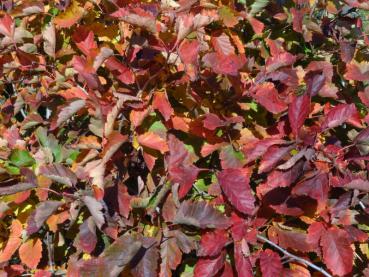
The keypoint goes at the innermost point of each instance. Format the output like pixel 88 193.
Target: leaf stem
pixel 294 257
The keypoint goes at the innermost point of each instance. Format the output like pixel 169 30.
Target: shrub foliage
pixel 184 138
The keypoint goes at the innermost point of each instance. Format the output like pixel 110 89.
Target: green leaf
pixel 21 158
pixel 201 185
pixel 41 135
pixel 158 127
pixel 49 141
pixel 258 6
pixel 12 170
pixel 73 155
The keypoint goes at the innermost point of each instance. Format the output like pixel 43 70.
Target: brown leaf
pixel 201 215
pixel 49 37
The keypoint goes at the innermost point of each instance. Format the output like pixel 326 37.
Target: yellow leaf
pixel 86 256
pixel 70 16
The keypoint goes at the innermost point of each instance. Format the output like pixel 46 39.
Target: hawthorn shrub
pixel 190 138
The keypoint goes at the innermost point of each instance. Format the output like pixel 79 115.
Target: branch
pixel 294 257
pixel 50 251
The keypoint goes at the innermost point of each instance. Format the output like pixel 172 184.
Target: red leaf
pixel 267 96
pixel 298 16
pixel 316 188
pixel 357 71
pixel 124 200
pixel 86 71
pixel 212 121
pixel 114 142
pixel 7 25
pixel 208 267
pixel 347 51
pixel 30 252
pixel 270 263
pixel 290 239
pixel 230 158
pixel 161 103
pixel 170 254
pixel 272 157
pixel 359 184
pixel 85 41
pixel 42 212
pixel 169 209
pixel 86 239
pixel 189 51
pixel 227 271
pixel 315 81
pixel 337 252
pixel 279 60
pixel 139 18
pixel 242 263
pixel 42 273
pixel 315 232
pixel 207 149
pixel 67 112
pixel 256 25
pixel 154 141
pixel 257 148
pixel 148 264
pixel 223 45
pixel 235 185
pixel 96 209
pixel 364 96
pixel 180 167
pixel 212 243
pixel 298 111
pixel 338 115
pixel 201 215
pixel 280 179
pixel 356 235
pixel 120 71
pixel 228 65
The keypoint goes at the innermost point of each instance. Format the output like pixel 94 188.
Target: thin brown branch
pixel 294 257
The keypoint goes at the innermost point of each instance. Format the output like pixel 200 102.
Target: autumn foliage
pixel 184 138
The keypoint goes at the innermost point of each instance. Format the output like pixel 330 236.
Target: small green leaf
pixel 12 170
pixel 253 106
pixel 258 6
pixel 73 155
pixel 22 158
pixel 158 127
pixel 201 185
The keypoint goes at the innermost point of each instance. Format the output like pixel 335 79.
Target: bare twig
pixel 294 257
pixel 50 251
pixel 164 190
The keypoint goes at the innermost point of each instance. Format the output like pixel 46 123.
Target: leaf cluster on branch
pixel 184 138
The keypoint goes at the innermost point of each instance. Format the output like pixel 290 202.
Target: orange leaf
pixel 70 17
pixel 154 141
pixel 13 242
pixel 162 104
pixel 30 252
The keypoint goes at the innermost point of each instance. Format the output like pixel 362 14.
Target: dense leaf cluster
pixel 184 138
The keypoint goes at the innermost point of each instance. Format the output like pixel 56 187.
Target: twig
pixel 152 77
pixel 50 251
pixel 294 257
pixel 159 197
pixel 361 204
